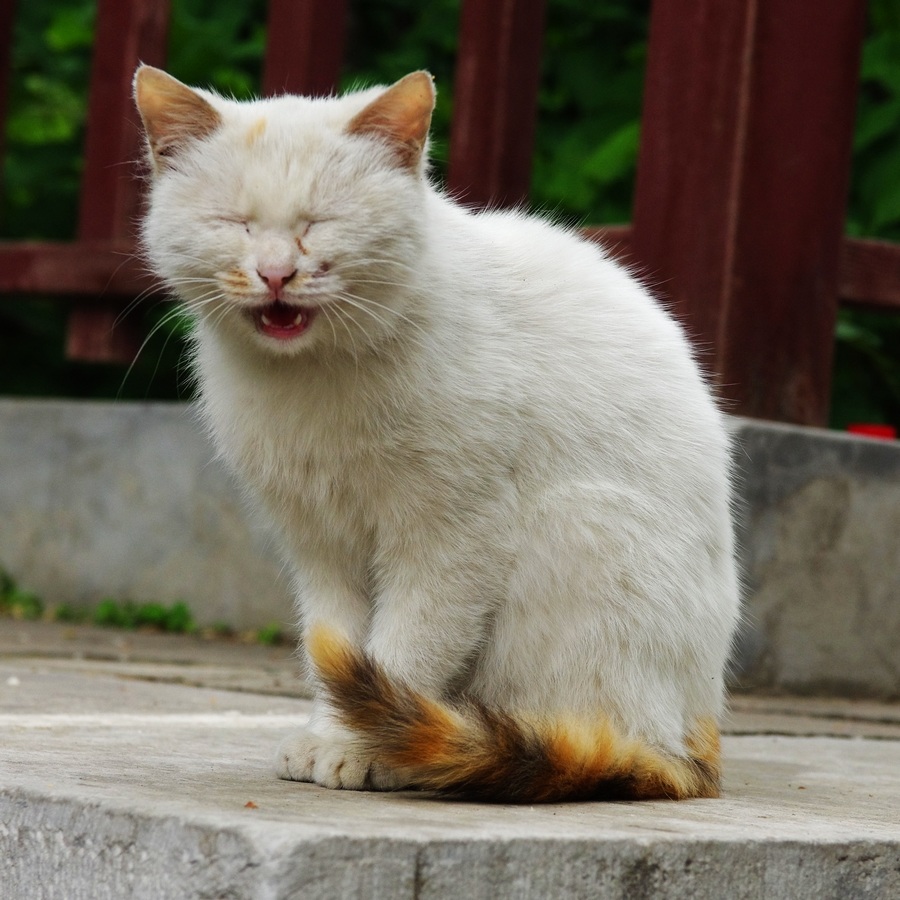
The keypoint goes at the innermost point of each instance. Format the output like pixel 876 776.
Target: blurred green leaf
pixel 7 584
pixel 616 156
pixel 884 15
pixel 178 618
pixel 270 634
pixel 22 604
pixel 53 113
pixel 65 612
pixel 875 122
pixel 114 614
pixel 71 28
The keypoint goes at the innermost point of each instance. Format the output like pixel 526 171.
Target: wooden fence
pixel 741 186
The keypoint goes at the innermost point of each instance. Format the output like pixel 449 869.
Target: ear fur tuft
pixel 401 116
pixel 172 113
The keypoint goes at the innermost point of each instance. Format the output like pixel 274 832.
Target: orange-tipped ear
pixel 401 115
pixel 173 114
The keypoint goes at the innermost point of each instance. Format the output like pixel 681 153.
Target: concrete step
pixel 126 770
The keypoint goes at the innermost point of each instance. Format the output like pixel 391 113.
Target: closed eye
pixel 307 222
pixel 234 220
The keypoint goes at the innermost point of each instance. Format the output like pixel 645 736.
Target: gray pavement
pixel 136 765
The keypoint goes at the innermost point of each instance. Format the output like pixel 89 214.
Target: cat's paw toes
pixel 295 758
pixel 333 764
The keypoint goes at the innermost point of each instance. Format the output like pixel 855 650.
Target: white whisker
pixel 364 303
pixel 342 317
pixel 168 317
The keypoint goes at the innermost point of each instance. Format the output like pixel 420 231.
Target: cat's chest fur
pixel 356 447
pixel 295 436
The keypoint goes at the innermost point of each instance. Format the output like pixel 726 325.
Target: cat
pixel 497 470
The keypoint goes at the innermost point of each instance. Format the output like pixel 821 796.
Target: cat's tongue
pixel 282 320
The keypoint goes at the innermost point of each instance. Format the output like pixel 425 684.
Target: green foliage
pixel 218 45
pixel 589 109
pixel 585 155
pixel 270 635
pixel 176 618
pixel 866 380
pixel 866 373
pixel 32 335
pixel 45 126
pixel 874 206
pixel 74 615
pixel 16 602
pixel 109 613
pixel 220 629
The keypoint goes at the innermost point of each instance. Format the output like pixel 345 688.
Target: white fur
pixel 495 465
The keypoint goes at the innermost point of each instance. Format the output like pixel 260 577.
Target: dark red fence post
pixel 870 274
pixel 741 189
pixel 495 101
pixel 304 46
pixel 127 33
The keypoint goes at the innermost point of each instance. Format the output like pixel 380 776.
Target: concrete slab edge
pixel 63 848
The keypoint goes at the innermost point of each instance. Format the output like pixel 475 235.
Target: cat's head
pixel 288 223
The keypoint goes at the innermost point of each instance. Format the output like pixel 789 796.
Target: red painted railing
pixel 740 194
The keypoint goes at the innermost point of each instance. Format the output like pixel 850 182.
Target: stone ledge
pixel 117 784
pixel 96 851
pixel 167 816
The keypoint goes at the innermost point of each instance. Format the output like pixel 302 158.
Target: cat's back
pixel 587 337
pixel 555 283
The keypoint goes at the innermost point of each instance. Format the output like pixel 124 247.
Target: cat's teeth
pixel 298 319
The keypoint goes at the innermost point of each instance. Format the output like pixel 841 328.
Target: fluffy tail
pixel 480 754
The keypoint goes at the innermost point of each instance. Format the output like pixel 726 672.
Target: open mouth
pixel 282 321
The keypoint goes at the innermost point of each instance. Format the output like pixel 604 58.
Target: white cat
pixel 498 473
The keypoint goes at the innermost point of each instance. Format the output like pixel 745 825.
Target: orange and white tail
pixel 480 754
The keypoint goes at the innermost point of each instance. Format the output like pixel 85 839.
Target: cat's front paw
pixel 332 762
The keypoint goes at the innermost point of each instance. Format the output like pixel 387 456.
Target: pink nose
pixel 276 277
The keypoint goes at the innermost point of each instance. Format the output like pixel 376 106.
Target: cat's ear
pixel 173 114
pixel 401 116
